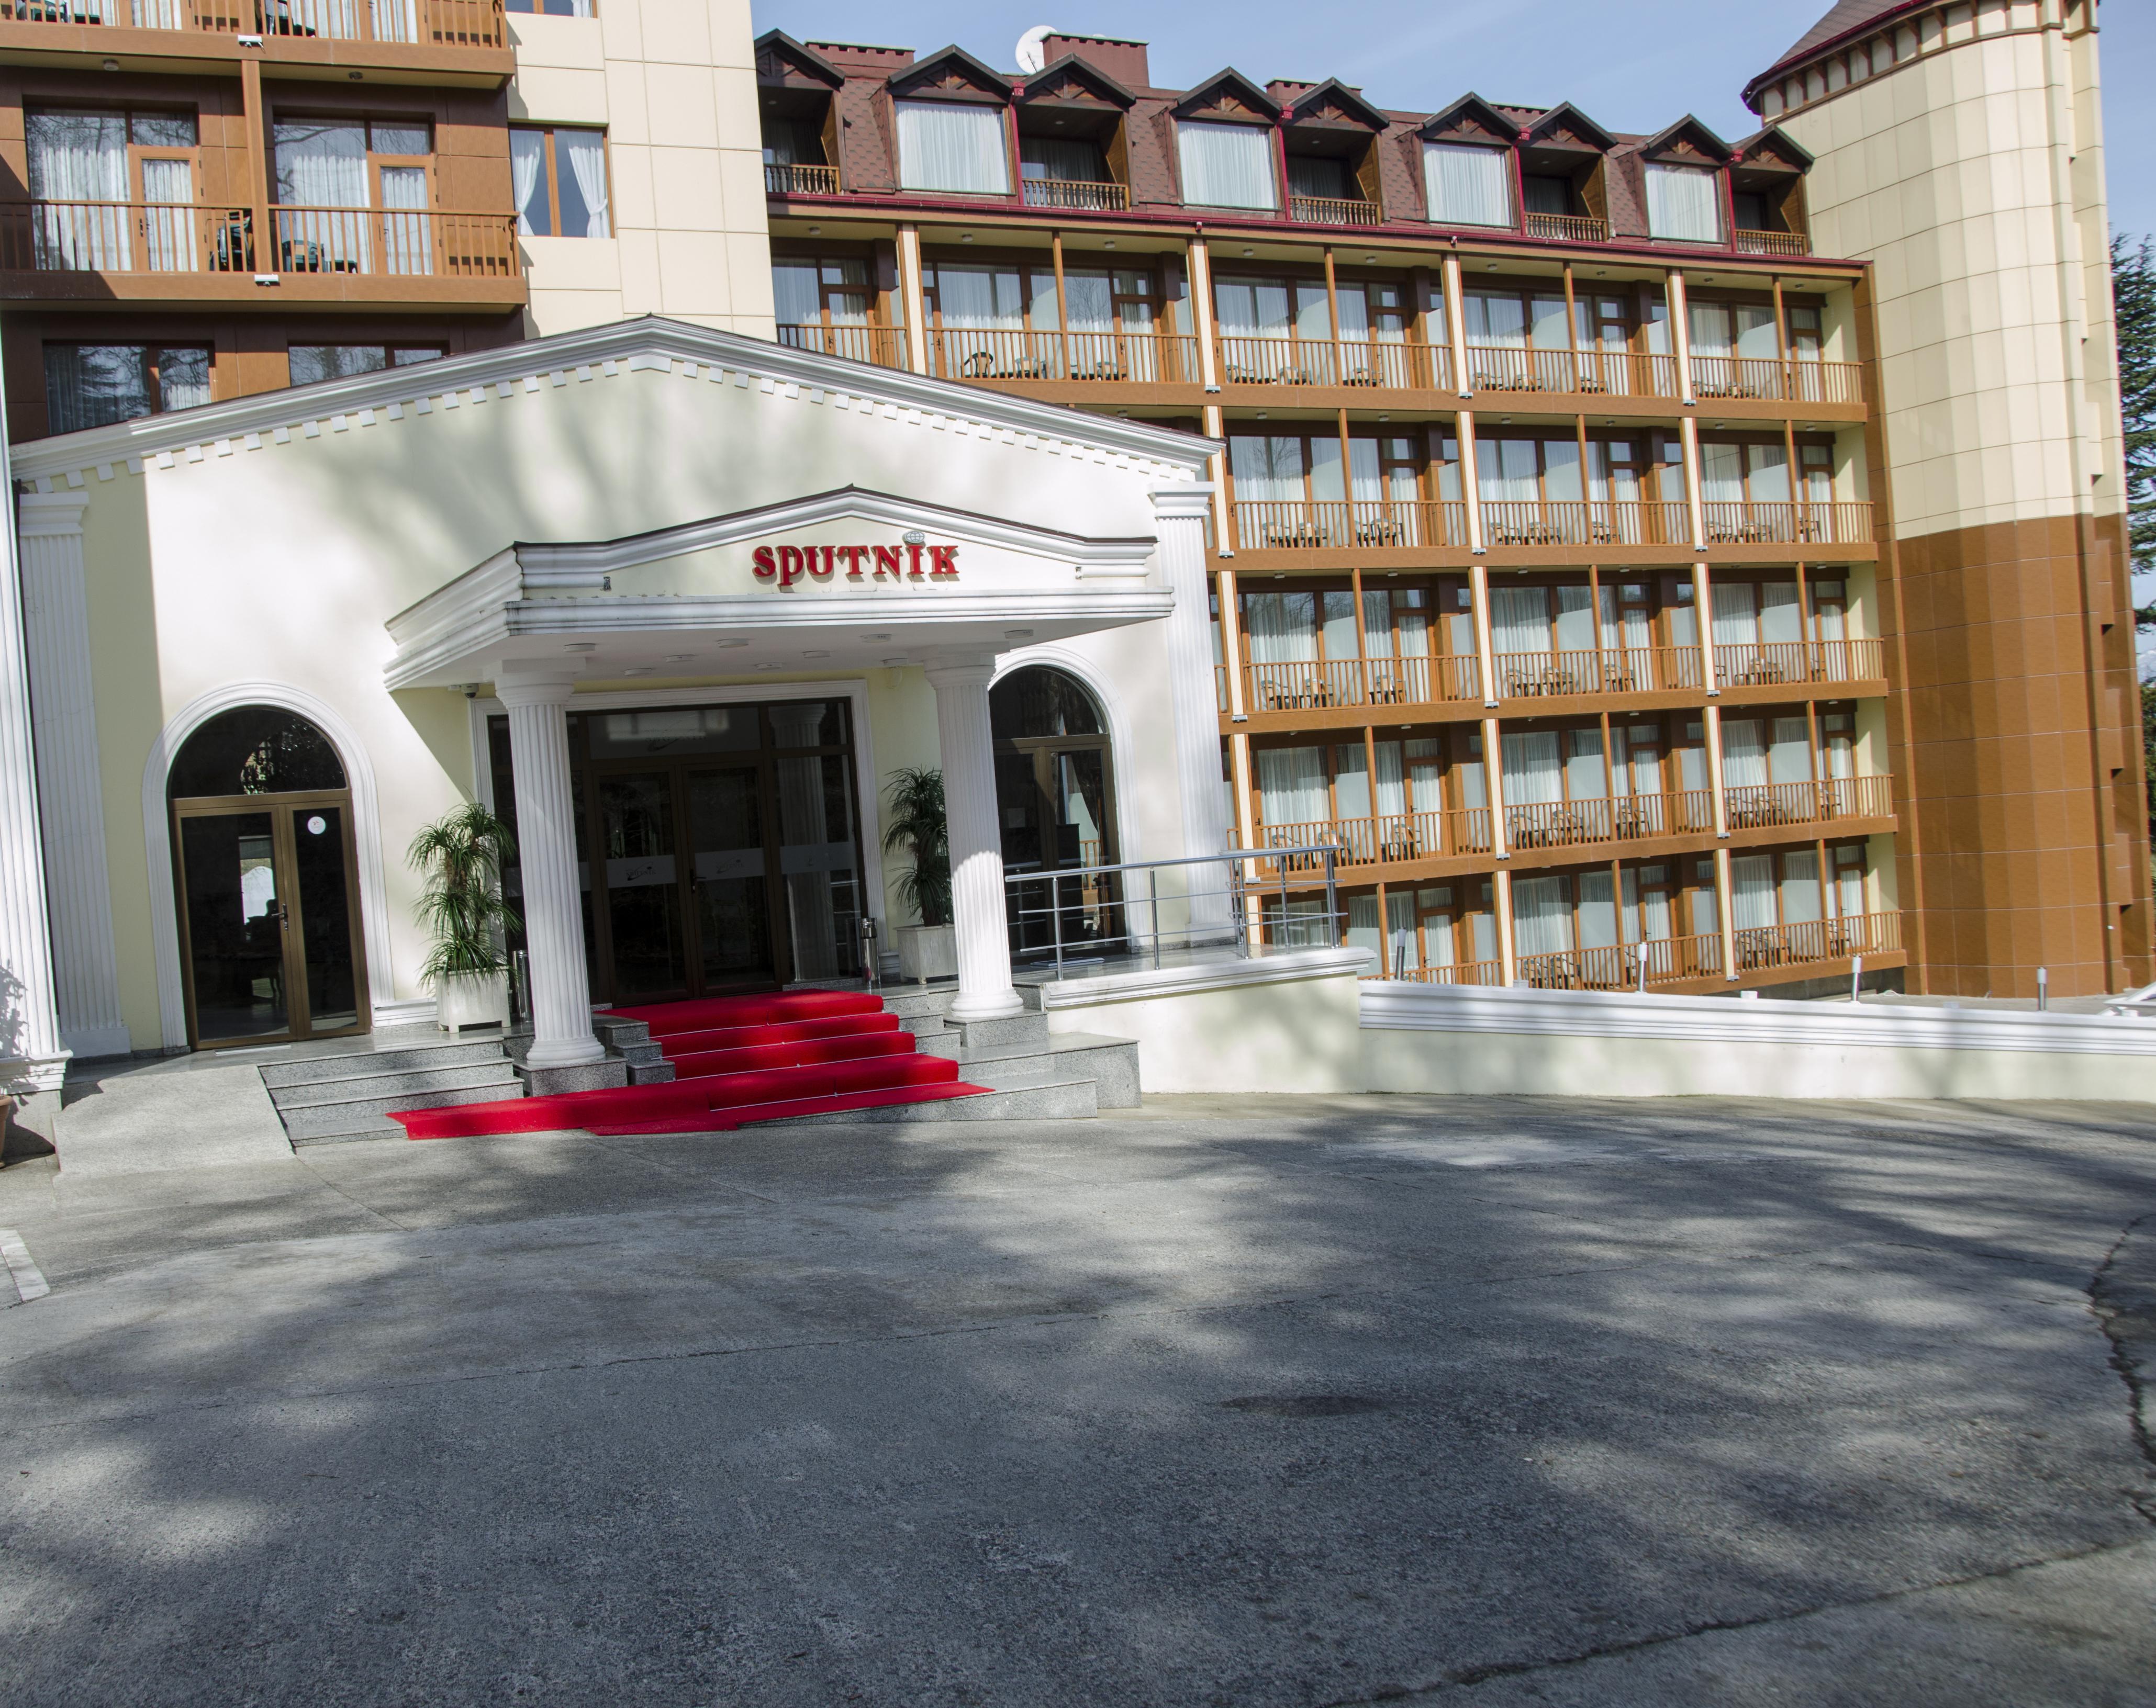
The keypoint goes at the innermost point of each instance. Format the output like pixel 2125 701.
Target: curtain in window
pixel 1645 748
pixel 1790 759
pixel 1584 776
pixel 1519 620
pixel 1505 471
pixel 1425 764
pixel 1400 934
pixel 1683 202
pixel 1735 624
pixel 92 385
pixel 322 166
pixel 1250 308
pixel 1848 890
pixel 1497 320
pixel 1752 891
pixel 168 187
pixel 406 232
pixel 1392 779
pixel 1467 185
pixel 1654 916
pixel 1575 621
pixel 1318 176
pixel 1541 916
pixel 1800 887
pixel 78 157
pixel 1282 628
pixel 1267 469
pixel 182 378
pixel 793 290
pixel 948 147
pixel 1089 303
pixel 1623 629
pixel 527 174
pixel 1351 781
pixel 1597 911
pixel 1744 753
pixel 1721 473
pixel 1226 166
pixel 1362 932
pixel 1532 775
pixel 1780 619
pixel 396 20
pixel 1292 786
pixel 1062 161
pixel 1710 331
pixel 584 152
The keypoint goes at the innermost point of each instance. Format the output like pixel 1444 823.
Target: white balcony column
pixel 1200 273
pixel 1508 959
pixel 1702 605
pixel 1179 520
pixel 985 992
pixel 547 849
pixel 1694 493
pixel 32 1059
pixel 1714 772
pixel 1214 425
pixel 1493 785
pixel 64 725
pixel 1471 483
pixel 1680 336
pixel 1455 327
pixel 913 298
pixel 1724 897
pixel 1486 652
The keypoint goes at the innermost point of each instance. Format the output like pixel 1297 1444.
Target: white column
pixel 64 722
pixel 976 836
pixel 547 849
pixel 32 1059
pixel 1179 514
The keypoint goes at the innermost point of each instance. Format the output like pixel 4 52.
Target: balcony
pixel 1811 941
pixel 175 251
pixel 1138 358
pixel 1458 972
pixel 1541 824
pixel 1392 364
pixel 800 180
pixel 1772 243
pixel 1679 960
pixel 1602 373
pixel 1314 684
pixel 1820 524
pixel 437 23
pixel 1754 806
pixel 1568 228
pixel 1574 522
pixel 1555 674
pixel 1076 197
pixel 1266 525
pixel 1387 839
pixel 1333 210
pixel 1769 664
pixel 1742 378
pixel 882 346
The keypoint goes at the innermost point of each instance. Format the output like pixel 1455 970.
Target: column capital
pixel 50 515
pixel 962 672
pixel 521 690
pixel 1188 499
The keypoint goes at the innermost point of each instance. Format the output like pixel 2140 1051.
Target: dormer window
pixel 1468 184
pixel 1061 160
pixel 1227 166
pixel 952 147
pixel 1684 204
pixel 1318 176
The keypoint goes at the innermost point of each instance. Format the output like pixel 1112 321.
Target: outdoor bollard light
pixel 868 966
pixel 2043 989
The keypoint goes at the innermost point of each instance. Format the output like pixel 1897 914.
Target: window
pixel 1320 177
pixel 1226 166
pixel 559 179
pixel 81 160
pixel 944 145
pixel 552 8
pixel 93 385
pixel 325 166
pixel 1551 195
pixel 311 363
pixel 1075 160
pixel 1288 490
pixel 1684 204
pixel 1467 185
pixel 792 142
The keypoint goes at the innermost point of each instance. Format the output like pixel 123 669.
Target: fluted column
pixel 32 1059
pixel 64 725
pixel 546 849
pixel 1179 517
pixel 985 992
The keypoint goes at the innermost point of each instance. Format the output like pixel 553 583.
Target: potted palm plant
pixel 916 825
pixel 462 855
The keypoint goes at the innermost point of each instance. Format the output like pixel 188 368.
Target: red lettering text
pixel 820 570
pixel 789 564
pixel 888 558
pixel 765 568
pixel 914 553
pixel 854 554
pixel 943 561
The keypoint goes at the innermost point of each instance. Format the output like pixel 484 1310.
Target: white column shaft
pixel 64 722
pixel 1179 516
pixel 985 992
pixel 546 851
pixel 32 1057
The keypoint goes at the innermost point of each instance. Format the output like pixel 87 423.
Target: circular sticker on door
pixel 317 825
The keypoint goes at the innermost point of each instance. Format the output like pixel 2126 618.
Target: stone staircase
pixel 326 1100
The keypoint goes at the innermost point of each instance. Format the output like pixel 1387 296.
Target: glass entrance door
pixel 644 885
pixel 729 881
pixel 268 940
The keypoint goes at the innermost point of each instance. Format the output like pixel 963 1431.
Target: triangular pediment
pixel 953 72
pixel 1774 150
pixel 1687 142
pixel 1332 104
pixel 782 62
pixel 1566 126
pixel 1228 97
pixel 1070 81
pixel 1470 119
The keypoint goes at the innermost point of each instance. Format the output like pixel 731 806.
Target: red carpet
pixel 735 1059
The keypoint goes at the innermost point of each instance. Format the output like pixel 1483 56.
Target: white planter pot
pixel 928 951
pixel 471 999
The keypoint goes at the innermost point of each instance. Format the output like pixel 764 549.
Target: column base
pixel 93 1043
pixel 607 1073
pixel 993 1005
pixel 562 1053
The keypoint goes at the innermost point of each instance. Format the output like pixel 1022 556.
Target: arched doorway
pixel 267 877
pixel 1056 795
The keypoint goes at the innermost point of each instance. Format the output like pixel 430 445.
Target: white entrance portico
pixel 833 584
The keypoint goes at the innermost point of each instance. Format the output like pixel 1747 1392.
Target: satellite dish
pixel 1032 53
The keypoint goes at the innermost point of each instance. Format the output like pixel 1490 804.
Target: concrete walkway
pixel 1232 1400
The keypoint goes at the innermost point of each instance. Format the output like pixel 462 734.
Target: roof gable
pixel 1565 126
pixel 951 71
pixel 781 59
pixel 1228 97
pixel 1332 103
pixel 1073 81
pixel 1773 149
pixel 1685 143
pixel 1470 119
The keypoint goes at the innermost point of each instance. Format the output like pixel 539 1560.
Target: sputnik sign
pixel 782 565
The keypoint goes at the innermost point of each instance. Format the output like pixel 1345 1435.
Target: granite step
pixel 348 1065
pixel 319 1094
pixel 366 1117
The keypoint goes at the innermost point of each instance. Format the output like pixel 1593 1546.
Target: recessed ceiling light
pixel 1110 245
pixel 815 231
pixel 965 237
pixel 640 670
pixel 581 646
pixel 733 643
pixel 885 635
pixel 681 657
pixel 767 667
pixel 111 65
pixel 894 661
pixel 1491 267
pixel 1369 261
pixel 1018 635
pixel 815 655
pixel 1250 252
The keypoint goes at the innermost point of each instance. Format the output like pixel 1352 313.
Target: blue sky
pixel 1631 66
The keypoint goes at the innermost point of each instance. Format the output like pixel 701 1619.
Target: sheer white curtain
pixel 1744 753
pixel 1710 331
pixel 1533 773
pixel 1467 185
pixel 1519 620
pixel 1575 620
pixel 1266 468
pixel 79 158
pixel 406 231
pixel 585 153
pixel 528 160
pixel 1251 308
pixel 322 165
pixel 1501 321
pixel 1392 780
pixel 1779 618
pixel 168 187
pixel 1597 911
pixel 1721 473
pixel 1736 621
pixel 1351 781
pixel 1282 628
pixel 1292 786
pixel 1226 166
pixel 1541 916
pixel 1362 932
pixel 396 20
pixel 1505 469
pixel 1752 891
pixel 948 147
pixel 1789 758
pixel 1684 203
pixel 1801 901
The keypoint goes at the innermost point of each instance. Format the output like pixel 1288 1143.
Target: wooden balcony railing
pixel 1678 667
pixel 1569 227
pixel 883 346
pixel 1301 685
pixel 1620 373
pixel 1766 662
pixel 1832 523
pixel 1766 378
pixel 443 24
pixel 1455 973
pixel 1394 365
pixel 1532 824
pixel 995 353
pixel 385 242
pixel 125 237
pixel 1619 966
pixel 1751 805
pixel 1333 210
pixel 1339 524
pixel 1078 197
pixel 1538 675
pixel 1388 838
pixel 1759 947
pixel 1772 243
pixel 1572 522
pixel 800 180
